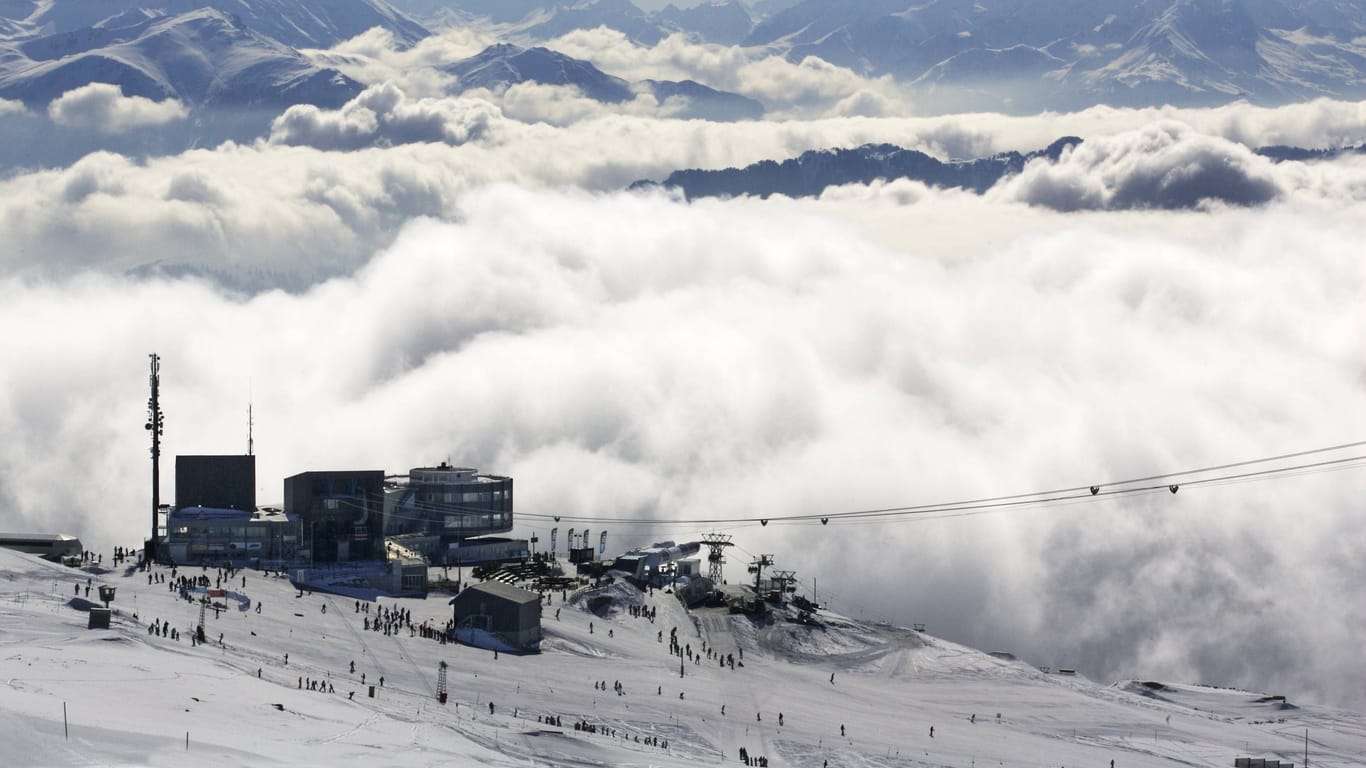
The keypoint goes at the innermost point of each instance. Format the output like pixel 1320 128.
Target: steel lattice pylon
pixel 717 542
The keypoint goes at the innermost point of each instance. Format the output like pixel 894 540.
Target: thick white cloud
pixel 634 355
pixel 11 107
pixel 307 214
pixel 373 58
pixel 103 108
pixel 807 89
pixel 383 115
pixel 1165 165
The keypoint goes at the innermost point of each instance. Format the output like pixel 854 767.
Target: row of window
pixel 264 531
pixel 472 497
pixel 485 520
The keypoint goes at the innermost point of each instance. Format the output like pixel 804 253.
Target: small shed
pixel 498 616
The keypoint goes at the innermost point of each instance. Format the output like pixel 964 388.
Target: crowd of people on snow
pixel 391 621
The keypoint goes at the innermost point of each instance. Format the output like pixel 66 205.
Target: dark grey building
pixel 219 482
pixel 340 514
pixel 498 616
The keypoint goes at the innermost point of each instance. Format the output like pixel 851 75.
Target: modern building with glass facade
pixel 338 518
pixel 340 513
pixel 443 506
pixel 266 537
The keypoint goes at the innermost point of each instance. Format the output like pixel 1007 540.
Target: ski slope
pixel 131 698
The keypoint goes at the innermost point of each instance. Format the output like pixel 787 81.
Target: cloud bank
pixel 384 116
pixel 630 354
pixel 103 108
pixel 1165 165
pixel 307 210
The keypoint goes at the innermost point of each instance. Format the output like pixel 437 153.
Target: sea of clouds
pixel 418 277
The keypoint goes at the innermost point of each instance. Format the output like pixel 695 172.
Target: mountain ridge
pixel 203 57
pixel 504 64
pixel 813 171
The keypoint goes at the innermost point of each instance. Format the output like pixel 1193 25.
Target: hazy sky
pixel 413 278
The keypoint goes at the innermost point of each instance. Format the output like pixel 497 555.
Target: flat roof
pixel 501 590
pixel 269 514
pixel 38 536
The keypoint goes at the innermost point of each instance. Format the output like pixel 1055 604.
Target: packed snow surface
pixel 72 696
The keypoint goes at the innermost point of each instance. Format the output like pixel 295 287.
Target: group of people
pixel 321 686
pixel 88 557
pixel 159 628
pixel 601 685
pixel 684 650
pixel 123 553
pixel 641 612
pixel 388 620
pixel 586 727
pixel 748 759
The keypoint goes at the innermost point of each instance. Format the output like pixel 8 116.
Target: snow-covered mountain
pixel 1020 55
pixel 309 680
pixel 727 22
pixel 295 23
pixel 504 64
pixel 721 21
pixel 202 58
pixel 1016 55
pixel 621 15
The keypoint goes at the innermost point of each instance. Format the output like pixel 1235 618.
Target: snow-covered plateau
pixel 844 693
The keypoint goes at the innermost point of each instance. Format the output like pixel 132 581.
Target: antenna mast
pixel 250 424
pixel 155 425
